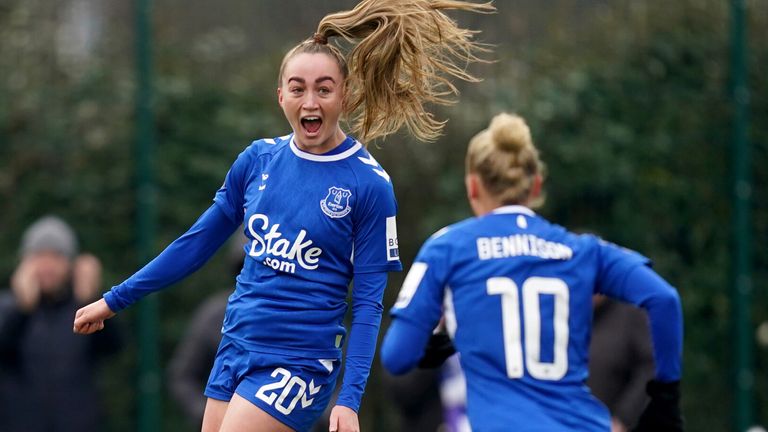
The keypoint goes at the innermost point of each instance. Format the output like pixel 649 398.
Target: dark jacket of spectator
pixel 47 373
pixel 193 358
pixel 620 359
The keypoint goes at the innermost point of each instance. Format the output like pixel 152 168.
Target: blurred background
pixel 630 101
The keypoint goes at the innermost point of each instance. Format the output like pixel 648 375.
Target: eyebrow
pixel 317 81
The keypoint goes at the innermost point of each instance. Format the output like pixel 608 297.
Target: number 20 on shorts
pixel 268 392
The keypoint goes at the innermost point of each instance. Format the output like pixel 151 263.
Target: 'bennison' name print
pixel 521 245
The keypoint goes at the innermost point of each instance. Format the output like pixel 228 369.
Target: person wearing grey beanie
pixel 49 233
pixel 49 259
pixel 40 358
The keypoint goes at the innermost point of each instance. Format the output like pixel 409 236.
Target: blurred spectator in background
pixel 620 360
pixel 192 361
pixel 416 397
pixel 47 373
pixel 453 393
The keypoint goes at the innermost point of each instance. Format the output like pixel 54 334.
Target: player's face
pixel 311 96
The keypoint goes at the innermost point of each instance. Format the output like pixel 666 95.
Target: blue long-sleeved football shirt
pixel 312 223
pixel 516 292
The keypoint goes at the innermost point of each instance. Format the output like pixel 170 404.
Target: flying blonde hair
pixel 506 160
pixel 404 54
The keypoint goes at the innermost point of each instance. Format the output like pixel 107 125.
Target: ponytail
pixel 404 54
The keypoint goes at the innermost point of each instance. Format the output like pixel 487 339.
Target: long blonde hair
pixel 404 54
pixel 505 159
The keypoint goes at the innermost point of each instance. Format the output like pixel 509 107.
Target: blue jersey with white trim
pixel 312 221
pixel 516 292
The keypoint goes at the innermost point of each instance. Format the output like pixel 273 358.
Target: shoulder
pixel 368 169
pixel 447 245
pixel 371 182
pixel 584 246
pixel 559 233
pixel 608 253
pixel 250 157
pixel 264 146
pixel 579 242
pixel 451 235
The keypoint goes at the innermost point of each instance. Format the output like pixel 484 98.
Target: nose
pixel 310 102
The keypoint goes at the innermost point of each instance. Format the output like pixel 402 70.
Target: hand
pixel 25 285
pixel 663 411
pixel 439 348
pixel 86 278
pixel 343 419
pixel 90 319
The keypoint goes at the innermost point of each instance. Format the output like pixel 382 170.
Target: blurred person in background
pixel 516 292
pixel 620 360
pixel 47 373
pixel 431 397
pixel 318 210
pixel 416 398
pixel 453 395
pixel 191 362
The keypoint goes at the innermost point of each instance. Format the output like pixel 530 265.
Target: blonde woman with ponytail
pixel 515 294
pixel 317 210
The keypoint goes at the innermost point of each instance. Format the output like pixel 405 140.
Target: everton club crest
pixel 336 203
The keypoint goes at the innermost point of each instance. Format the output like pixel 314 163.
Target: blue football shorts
pixel 294 390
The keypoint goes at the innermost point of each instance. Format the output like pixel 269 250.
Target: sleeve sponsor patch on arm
pixel 410 284
pixel 393 252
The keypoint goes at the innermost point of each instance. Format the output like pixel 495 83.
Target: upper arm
pixel 231 195
pixel 421 297
pixel 367 294
pixel 614 263
pixel 418 308
pixel 403 346
pixel 375 231
pixel 661 301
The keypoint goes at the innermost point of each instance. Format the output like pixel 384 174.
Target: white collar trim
pixel 514 209
pixel 325 158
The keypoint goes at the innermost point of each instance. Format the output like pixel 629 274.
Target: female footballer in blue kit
pixel 516 294
pixel 318 210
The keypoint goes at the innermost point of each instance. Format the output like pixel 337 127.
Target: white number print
pixel 287 382
pixel 510 312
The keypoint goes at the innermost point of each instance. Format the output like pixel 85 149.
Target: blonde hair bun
pixel 510 133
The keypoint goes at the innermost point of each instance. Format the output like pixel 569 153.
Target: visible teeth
pixel 311 118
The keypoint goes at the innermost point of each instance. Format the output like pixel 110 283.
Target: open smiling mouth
pixel 311 124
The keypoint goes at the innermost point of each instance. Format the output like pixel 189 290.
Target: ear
pixel 471 181
pixel 475 194
pixel 280 96
pixel 538 182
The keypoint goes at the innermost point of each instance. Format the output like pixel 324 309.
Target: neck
pixel 483 205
